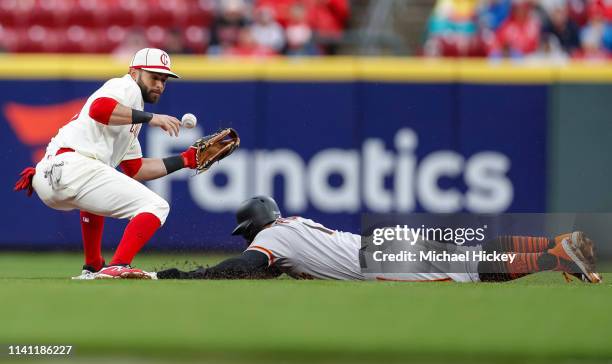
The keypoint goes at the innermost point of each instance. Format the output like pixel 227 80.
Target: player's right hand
pixel 168 123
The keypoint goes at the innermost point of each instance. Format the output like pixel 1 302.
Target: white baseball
pixel 189 121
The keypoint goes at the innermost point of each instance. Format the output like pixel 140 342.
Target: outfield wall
pixel 330 139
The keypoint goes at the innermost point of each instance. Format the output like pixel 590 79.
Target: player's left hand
pixel 213 148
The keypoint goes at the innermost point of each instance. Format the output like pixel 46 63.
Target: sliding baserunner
pixel 304 249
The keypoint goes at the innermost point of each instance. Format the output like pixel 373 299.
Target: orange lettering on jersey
pixel 286 220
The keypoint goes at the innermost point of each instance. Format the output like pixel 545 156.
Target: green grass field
pixel 537 319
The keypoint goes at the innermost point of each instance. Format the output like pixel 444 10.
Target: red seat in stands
pixel 84 13
pixel 156 36
pixel 79 39
pixel 43 13
pixel 8 17
pixel 199 13
pixel 36 39
pixel 114 35
pixel 156 15
pixel 9 39
pixel 196 39
pixel 16 13
pixel 123 13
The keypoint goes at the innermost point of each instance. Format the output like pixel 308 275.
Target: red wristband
pixel 189 158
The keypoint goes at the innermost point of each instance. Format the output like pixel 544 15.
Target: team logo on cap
pixel 164 59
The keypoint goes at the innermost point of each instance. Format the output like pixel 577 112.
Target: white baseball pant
pixel 72 181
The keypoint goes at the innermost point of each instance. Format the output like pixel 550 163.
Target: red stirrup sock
pixel 92 227
pixel 137 233
pixel 525 244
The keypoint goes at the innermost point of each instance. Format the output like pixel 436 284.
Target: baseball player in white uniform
pixel 304 249
pixel 79 171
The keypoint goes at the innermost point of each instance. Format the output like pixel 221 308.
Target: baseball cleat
pixel 122 271
pixel 576 255
pixel 87 273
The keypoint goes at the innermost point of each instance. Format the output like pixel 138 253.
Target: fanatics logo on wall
pixel 34 125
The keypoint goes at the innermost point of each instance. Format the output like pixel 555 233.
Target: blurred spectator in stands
pixel 604 7
pixel 453 31
pixel 492 13
pixel 557 26
pixel 174 42
pixel 299 33
pixel 266 31
pixel 196 39
pixel 591 38
pixel 519 35
pixel 248 47
pixel 281 9
pixel 227 25
pixel 607 37
pixel 600 23
pixel 133 42
pixel 578 11
pixel 328 19
pixel 550 51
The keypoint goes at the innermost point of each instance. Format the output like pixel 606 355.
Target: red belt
pixel 64 150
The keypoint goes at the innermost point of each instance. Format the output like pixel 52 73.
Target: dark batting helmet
pixel 253 214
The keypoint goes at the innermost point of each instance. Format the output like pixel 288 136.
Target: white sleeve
pixel 270 242
pixel 135 151
pixel 119 90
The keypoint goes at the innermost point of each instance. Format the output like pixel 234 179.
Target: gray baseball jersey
pixel 305 249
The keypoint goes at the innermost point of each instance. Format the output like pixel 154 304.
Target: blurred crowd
pixel 293 27
pixel 552 30
pixel 216 27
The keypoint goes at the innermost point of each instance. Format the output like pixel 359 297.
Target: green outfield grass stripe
pixel 391 69
pixel 536 319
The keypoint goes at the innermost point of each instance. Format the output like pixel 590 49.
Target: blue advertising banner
pixel 325 150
